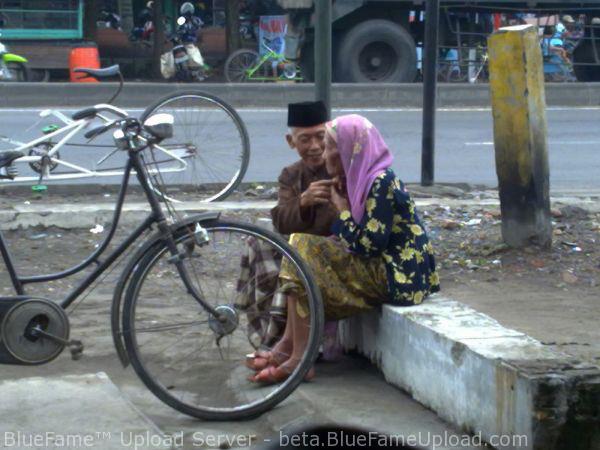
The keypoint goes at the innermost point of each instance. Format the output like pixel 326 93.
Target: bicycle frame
pixel 66 133
pixel 270 55
pixel 157 216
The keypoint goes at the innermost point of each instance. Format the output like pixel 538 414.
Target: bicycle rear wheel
pixel 239 64
pixel 193 362
pixel 212 140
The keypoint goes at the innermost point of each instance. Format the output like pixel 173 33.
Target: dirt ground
pixel 551 294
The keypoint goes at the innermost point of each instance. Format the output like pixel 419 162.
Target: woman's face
pixel 333 161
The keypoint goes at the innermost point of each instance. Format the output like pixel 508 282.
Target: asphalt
pixel 464 143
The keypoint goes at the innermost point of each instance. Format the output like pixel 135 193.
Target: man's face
pixel 310 143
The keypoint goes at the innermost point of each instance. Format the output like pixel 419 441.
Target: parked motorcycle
pixel 12 67
pixel 184 63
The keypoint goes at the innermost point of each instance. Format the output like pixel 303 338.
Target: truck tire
pixel 377 51
pixel 584 53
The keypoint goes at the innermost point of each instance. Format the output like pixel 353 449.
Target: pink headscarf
pixel 364 156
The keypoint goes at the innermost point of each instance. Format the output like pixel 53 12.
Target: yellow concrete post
pixel 519 112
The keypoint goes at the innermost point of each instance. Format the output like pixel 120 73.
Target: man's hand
pixel 318 193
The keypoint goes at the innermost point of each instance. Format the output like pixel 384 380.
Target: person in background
pixel 554 52
pixel 188 31
pixel 571 35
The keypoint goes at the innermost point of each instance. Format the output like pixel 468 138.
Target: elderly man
pixel 304 187
pixel 303 207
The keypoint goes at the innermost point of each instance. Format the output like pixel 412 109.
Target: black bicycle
pixel 184 302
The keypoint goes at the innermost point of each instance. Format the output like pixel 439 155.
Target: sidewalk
pixel 550 298
pixel 550 295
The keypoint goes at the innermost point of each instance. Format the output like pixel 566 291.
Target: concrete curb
pixel 103 418
pixel 77 215
pixel 480 376
pixel 136 94
pixel 87 215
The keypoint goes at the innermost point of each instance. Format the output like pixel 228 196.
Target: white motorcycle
pixel 12 67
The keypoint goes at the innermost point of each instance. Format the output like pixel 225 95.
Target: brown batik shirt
pixel 287 217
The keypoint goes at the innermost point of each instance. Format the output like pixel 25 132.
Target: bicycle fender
pixel 123 282
pixel 11 57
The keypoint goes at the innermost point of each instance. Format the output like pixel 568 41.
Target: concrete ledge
pixel 141 95
pixel 78 215
pixel 73 411
pixel 480 376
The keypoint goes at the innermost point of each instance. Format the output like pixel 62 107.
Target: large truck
pixel 380 40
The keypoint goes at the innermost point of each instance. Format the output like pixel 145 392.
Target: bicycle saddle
pixel 100 73
pixel 6 158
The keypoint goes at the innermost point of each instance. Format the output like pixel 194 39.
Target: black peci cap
pixel 307 114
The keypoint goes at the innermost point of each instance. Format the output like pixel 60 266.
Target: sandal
pixel 275 375
pixel 261 360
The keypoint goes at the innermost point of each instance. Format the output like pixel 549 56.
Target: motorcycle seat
pixel 107 72
pixel 6 158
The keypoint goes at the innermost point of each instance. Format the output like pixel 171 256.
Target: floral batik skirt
pixel 349 283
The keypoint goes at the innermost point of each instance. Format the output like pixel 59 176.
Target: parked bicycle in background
pixel 207 155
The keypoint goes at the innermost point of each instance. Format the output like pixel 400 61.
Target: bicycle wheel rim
pixel 211 139
pixel 239 65
pixel 249 403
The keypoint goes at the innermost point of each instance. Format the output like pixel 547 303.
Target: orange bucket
pixel 87 57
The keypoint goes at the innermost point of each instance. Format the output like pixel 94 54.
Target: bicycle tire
pixel 238 63
pixel 229 181
pixel 164 392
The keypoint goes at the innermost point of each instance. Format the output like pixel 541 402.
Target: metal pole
pixel 429 84
pixel 323 52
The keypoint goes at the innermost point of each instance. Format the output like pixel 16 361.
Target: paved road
pixel 465 150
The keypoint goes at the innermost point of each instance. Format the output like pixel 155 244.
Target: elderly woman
pixel 379 251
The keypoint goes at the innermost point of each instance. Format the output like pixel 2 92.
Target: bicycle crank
pixel 75 346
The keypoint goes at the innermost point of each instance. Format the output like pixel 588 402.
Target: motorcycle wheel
pixel 18 71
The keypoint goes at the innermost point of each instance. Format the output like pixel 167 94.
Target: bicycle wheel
pixel 188 359
pixel 18 71
pixel 212 140
pixel 239 64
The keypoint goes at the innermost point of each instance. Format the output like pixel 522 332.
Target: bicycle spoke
pixel 200 363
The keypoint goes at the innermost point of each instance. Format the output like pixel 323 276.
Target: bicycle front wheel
pixel 189 359
pixel 210 138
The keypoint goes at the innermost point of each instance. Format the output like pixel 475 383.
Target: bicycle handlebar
pixel 95 132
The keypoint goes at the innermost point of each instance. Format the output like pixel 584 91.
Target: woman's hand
pixel 339 196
